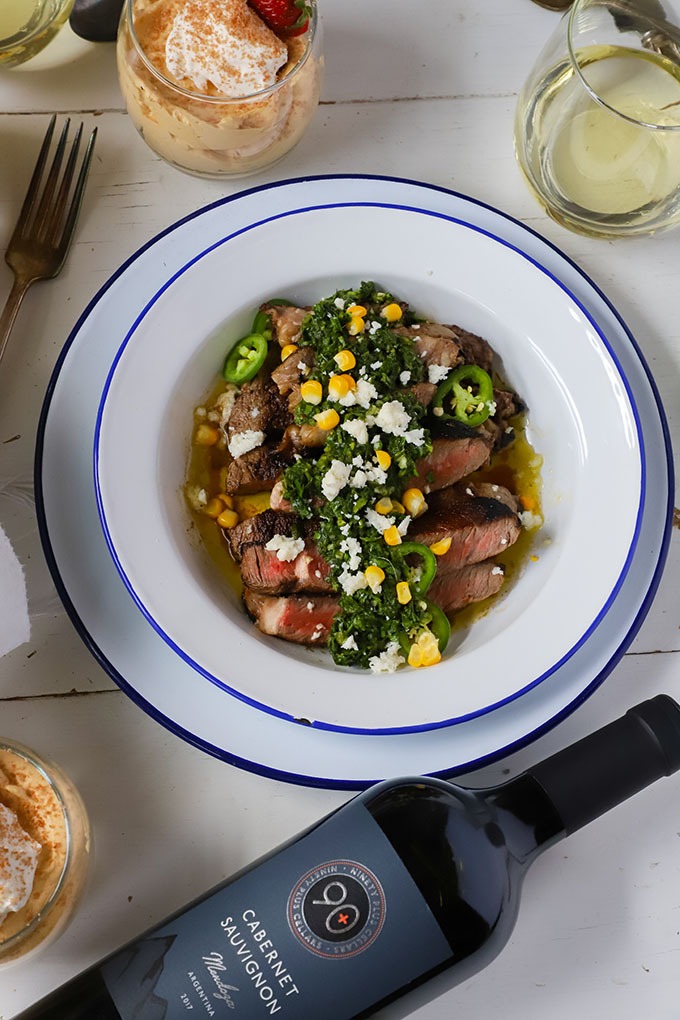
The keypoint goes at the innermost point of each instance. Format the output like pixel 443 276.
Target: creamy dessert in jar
pixel 212 88
pixel 44 848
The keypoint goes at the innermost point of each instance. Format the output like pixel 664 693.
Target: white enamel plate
pixel 552 353
pixel 165 685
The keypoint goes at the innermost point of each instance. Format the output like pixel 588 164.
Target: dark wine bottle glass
pixel 410 888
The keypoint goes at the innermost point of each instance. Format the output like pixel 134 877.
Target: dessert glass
pixel 40 803
pixel 213 135
pixel 26 27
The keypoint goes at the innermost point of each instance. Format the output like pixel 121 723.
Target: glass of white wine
pixel 27 26
pixel 597 129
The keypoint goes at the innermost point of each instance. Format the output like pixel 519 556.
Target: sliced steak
pixel 436 344
pixel 256 470
pixel 451 460
pixel 263 571
pixel 259 407
pixel 258 530
pixel 478 527
pixel 455 589
pixel 424 392
pixel 286 322
pixel 452 495
pixel 302 437
pixel 291 372
pixel 474 350
pixel 303 619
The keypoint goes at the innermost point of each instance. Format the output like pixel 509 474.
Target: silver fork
pixel 44 231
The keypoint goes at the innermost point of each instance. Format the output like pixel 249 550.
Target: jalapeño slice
pixel 245 359
pixel 466 396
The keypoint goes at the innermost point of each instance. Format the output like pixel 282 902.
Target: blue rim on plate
pixel 515 735
pixel 236 691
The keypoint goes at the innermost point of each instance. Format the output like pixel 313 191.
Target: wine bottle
pixel 406 890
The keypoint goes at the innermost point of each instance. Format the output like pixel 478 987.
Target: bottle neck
pixel 571 788
pixel 614 763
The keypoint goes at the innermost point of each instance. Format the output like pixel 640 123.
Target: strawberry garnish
pixel 285 17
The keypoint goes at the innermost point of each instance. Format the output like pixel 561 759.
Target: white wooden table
pixel 423 91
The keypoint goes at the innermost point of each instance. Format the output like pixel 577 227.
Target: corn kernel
pixel 441 547
pixel 227 500
pixel 383 458
pixel 311 391
pixel 375 577
pixel 414 501
pixel 392 312
pixel 345 360
pixel 398 507
pixel 383 506
pixel 327 420
pixel 424 651
pixel 528 502
pixel 403 593
pixel 356 325
pixel 339 386
pixel 288 350
pixel 228 518
pixel 392 536
pixel 206 435
pixel 357 310
pixel 415 655
pixel 213 507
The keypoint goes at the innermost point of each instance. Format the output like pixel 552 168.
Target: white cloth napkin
pixel 15 627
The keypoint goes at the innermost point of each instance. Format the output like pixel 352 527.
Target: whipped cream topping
pixel 225 44
pixel 18 863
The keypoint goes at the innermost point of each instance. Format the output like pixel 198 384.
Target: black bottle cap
pixel 604 769
pixel 96 20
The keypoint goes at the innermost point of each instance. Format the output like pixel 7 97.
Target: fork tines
pixel 50 216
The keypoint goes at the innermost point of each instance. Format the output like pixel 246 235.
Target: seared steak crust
pixel 479 528
pixel 259 407
pixel 256 470
pixel 258 530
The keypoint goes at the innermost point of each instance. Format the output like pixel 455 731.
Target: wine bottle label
pixel 333 921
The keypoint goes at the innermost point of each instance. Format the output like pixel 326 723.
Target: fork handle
pixel 9 312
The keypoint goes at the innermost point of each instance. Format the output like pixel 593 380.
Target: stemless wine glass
pixel 26 27
pixel 597 130
pixel 206 133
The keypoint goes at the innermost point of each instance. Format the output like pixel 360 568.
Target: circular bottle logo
pixel 337 909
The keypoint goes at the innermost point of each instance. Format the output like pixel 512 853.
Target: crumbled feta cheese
pixel 376 365
pixel 254 411
pixel 339 303
pixel 530 520
pixel 285 547
pixel 491 404
pixel 352 546
pixel 364 395
pixel 224 405
pixel 402 527
pixel 388 661
pixel 302 368
pixel 335 479
pixel 356 427
pixel 497 570
pixel 436 373
pixel 416 437
pixel 393 418
pixel 404 378
pixel 358 480
pixel 243 442
pixel 351 583
pixel 350 644
pixel 374 327
pixel 379 521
